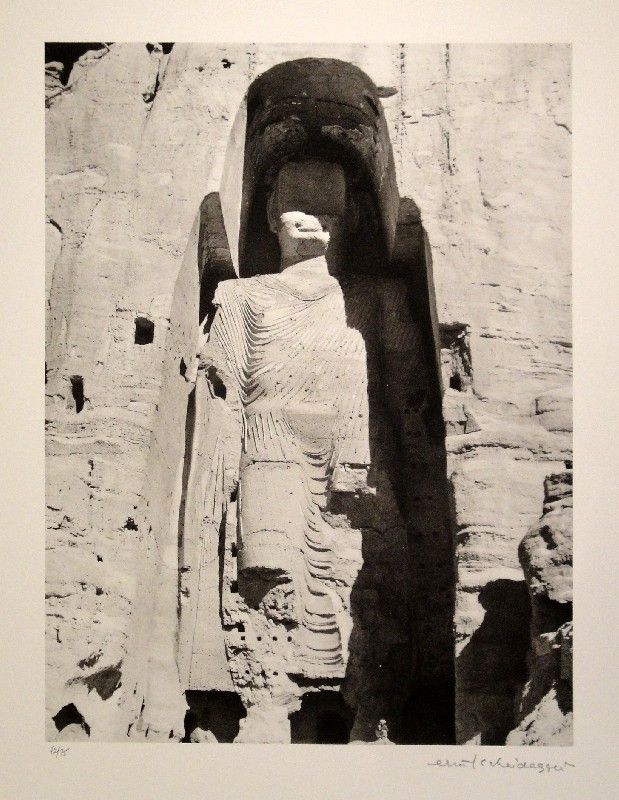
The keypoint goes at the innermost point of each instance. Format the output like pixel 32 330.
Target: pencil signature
pixel 502 762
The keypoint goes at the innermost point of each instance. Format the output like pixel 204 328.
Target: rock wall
pixel 136 139
pixel 544 712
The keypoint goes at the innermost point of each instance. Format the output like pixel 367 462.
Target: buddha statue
pixel 308 372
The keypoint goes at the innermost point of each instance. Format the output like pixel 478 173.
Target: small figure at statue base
pixel 382 733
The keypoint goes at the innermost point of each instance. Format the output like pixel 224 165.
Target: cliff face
pixel 136 138
pixel 544 711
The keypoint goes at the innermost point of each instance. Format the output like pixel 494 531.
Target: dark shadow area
pixel 190 422
pixel 144 331
pixel 77 391
pixel 324 718
pixel 69 715
pixel 403 597
pixel 492 667
pixel 214 260
pixel 428 714
pixel 67 53
pixel 402 601
pixel 218 387
pixel 219 713
pixel 565 699
pixel 105 682
pixel 549 615
pixel 221 555
pixel 256 585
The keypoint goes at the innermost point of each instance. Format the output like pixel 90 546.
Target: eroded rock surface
pixel 545 708
pixel 144 159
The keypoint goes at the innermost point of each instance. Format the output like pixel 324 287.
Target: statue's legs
pixel 272 520
pixel 283 539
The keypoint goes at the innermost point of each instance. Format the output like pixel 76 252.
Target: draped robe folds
pixel 294 373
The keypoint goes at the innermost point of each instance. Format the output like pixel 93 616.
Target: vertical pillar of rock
pixel 544 708
pixel 182 156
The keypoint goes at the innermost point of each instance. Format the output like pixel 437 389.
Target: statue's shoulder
pixel 232 289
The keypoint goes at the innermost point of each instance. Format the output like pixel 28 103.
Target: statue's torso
pixel 302 355
pixel 307 370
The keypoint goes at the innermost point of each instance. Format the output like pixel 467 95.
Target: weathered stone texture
pixel 544 711
pixel 135 141
pixel 485 151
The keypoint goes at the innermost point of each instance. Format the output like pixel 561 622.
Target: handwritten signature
pixel 500 762
pixel 58 751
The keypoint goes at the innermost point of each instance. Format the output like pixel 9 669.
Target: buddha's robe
pixel 295 365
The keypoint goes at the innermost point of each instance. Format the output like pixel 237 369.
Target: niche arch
pixel 308 108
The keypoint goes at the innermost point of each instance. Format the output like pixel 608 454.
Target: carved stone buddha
pixel 297 457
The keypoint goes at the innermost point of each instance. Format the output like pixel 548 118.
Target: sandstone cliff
pixel 137 135
pixel 544 712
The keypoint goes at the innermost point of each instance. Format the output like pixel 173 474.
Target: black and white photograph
pixel 308 393
pixel 309 400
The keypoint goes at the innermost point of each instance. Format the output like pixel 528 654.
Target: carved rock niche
pixel 315 547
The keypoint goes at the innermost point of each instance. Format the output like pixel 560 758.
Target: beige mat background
pixel 28 766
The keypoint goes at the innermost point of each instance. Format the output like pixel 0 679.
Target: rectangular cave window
pixel 456 365
pixel 144 330
pixel 77 390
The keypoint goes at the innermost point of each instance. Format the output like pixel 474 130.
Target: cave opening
pixel 213 716
pixel 69 715
pixel 77 391
pixel 144 331
pixel 456 363
pixel 324 718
